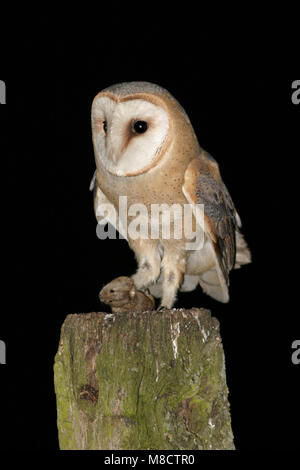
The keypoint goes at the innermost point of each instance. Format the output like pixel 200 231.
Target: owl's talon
pixel 161 308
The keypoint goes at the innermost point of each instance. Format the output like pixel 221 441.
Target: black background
pixel 53 263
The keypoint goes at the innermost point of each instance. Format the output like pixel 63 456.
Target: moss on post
pixel 153 380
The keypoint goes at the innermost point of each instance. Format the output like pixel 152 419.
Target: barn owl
pixel 146 149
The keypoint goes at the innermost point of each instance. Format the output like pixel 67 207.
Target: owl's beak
pixel 113 153
pixel 114 158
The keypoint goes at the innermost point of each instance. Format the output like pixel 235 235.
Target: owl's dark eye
pixel 140 127
pixel 105 126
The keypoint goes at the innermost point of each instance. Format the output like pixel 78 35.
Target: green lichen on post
pixel 153 380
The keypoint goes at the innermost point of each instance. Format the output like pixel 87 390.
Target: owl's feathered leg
pixel 148 258
pixel 173 268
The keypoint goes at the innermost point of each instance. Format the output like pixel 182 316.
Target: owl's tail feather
pixel 243 255
pixel 213 284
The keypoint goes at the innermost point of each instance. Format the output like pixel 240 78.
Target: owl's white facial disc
pixel 128 134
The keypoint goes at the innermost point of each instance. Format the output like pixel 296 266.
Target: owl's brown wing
pixel 203 185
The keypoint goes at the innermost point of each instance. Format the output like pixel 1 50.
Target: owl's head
pixel 132 127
